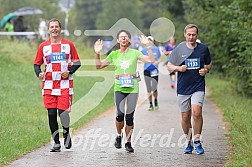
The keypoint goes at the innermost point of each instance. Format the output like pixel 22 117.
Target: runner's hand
pixel 64 74
pixel 41 75
pixel 182 68
pixel 203 71
pixel 98 46
pixel 144 40
pixel 156 63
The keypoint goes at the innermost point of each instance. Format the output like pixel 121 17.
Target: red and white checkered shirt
pixel 57 58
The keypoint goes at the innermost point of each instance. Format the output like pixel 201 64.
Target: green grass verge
pixel 237 112
pixel 23 119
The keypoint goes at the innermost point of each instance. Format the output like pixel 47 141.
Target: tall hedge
pixel 225 26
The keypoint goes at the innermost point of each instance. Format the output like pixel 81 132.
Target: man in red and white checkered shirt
pixel 61 60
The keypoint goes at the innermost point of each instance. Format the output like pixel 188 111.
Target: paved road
pixel 158 138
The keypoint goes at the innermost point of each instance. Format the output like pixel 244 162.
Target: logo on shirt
pixel 124 65
pixel 63 48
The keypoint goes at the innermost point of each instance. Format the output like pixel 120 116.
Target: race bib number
pixel 154 73
pixel 56 57
pixel 192 63
pixel 126 81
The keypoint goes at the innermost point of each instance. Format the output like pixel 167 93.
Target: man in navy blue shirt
pixel 192 61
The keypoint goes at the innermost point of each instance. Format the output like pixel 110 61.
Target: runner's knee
pixel 52 111
pixel 120 118
pixel 130 119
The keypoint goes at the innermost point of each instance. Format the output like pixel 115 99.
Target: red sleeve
pixel 39 56
pixel 73 52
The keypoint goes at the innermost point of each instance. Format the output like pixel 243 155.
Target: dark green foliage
pixel 225 26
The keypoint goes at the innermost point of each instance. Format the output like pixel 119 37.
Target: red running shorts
pixel 62 102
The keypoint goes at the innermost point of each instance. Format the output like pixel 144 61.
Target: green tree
pixel 240 24
pixel 112 11
pixel 174 10
pixel 86 13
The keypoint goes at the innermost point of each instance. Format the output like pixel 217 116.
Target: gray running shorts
pixel 186 101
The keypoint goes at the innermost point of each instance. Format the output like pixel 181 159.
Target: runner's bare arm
pixel 148 59
pixel 166 52
pixel 209 66
pixel 158 61
pixel 99 63
pixel 174 68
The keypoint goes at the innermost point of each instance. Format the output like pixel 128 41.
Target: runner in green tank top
pixel 126 85
pixel 125 64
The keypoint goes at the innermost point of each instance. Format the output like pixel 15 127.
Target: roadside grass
pixel 22 116
pixel 237 112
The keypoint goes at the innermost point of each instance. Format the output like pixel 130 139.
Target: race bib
pixel 192 63
pixel 154 73
pixel 56 57
pixel 126 81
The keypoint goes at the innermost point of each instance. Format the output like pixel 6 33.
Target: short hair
pixel 127 32
pixel 173 39
pixel 53 20
pixel 191 26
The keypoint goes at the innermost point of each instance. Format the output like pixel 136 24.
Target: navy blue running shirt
pixel 190 81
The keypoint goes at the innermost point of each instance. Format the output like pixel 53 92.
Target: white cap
pixel 151 38
pixel 197 40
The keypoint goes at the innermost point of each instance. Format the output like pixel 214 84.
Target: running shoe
pixel 128 147
pixel 198 147
pixel 67 142
pixel 118 142
pixel 56 147
pixel 188 149
pixel 151 108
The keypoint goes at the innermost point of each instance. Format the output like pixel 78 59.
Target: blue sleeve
pixel 144 52
pixel 159 54
pixel 168 48
pixel 208 57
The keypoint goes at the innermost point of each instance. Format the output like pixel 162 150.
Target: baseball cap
pixel 151 38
